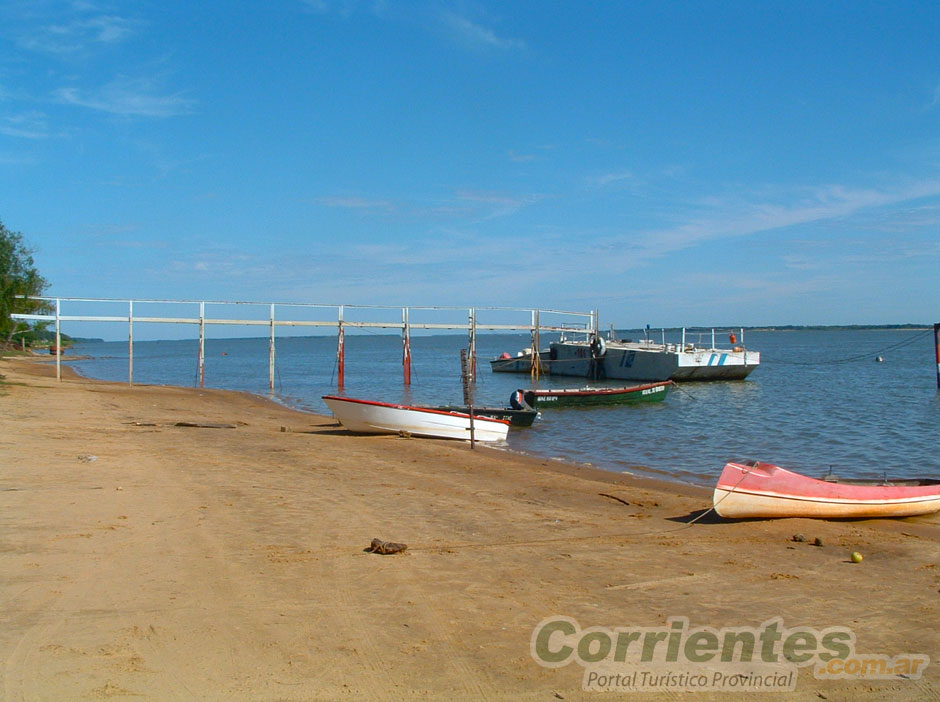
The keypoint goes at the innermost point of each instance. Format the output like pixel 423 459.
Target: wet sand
pixel 144 560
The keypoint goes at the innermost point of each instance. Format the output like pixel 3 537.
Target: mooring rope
pixel 852 359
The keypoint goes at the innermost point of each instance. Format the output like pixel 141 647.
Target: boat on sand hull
pixel 370 417
pixel 753 489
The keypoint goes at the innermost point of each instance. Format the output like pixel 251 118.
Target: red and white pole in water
pixel 341 357
pixel 406 347
pixel 202 344
pixel 341 352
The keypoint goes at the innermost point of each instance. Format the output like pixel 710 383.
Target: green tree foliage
pixel 18 276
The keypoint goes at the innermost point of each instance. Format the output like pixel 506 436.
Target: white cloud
pixel 476 35
pixel 407 267
pixel 355 203
pixel 78 34
pixel 617 177
pixel 26 125
pixel 321 6
pixel 499 204
pixel 733 219
pixel 343 8
pixel 224 264
pixel 128 97
pixel 14 160
pixel 474 205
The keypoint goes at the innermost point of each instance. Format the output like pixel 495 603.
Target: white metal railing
pixel 340 322
pixel 735 336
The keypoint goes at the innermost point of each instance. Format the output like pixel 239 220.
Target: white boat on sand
pixel 371 417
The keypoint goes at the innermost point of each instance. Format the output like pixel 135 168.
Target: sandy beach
pixel 144 560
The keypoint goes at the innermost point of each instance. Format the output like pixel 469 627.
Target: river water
pixel 819 398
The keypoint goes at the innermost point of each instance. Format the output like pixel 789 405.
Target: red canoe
pixel 755 489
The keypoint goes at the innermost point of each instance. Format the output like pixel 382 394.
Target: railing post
pixel 536 367
pixel 130 342
pixel 271 353
pixel 466 374
pixel 406 345
pixel 473 346
pixel 202 344
pixel 58 339
pixel 341 352
pixel 936 343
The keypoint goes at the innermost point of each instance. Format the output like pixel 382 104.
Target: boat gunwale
pixel 801 486
pixel 593 392
pixel 909 499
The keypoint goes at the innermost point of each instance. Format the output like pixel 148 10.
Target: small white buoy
pixel 879 359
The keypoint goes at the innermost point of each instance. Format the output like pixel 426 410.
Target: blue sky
pixel 671 163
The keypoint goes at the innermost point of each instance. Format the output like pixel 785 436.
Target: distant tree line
pixel 838 327
pixel 785 327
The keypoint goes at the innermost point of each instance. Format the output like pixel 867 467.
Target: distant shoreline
pixel 799 327
pixel 235 543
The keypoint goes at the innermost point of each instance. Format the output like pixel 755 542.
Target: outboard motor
pixel 596 368
pixel 519 400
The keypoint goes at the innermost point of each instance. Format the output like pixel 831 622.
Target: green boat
pixel 518 417
pixel 591 397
